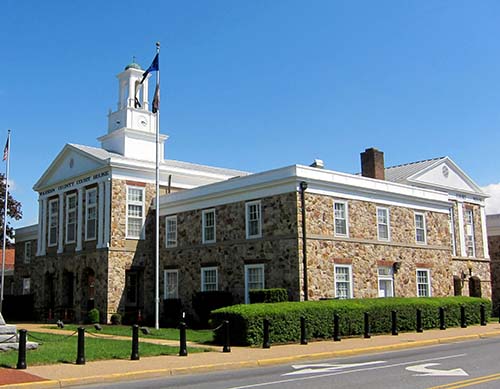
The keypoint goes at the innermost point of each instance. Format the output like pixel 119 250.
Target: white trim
pixel 247 219
pixel 69 197
pixel 486 253
pixel 424 228
pixel 346 212
pixel 100 214
pixel 79 226
pixel 50 226
pixel 60 246
pixel 87 209
pixel 385 277
pixel 107 212
pixel 203 276
pixel 176 293
pixel 204 226
pixel 143 210
pixel 429 284
pixel 473 232
pixel 461 229
pixel 351 284
pixel 167 219
pixel 255 266
pixel 388 217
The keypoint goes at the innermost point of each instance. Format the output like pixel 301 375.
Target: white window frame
pixel 73 210
pixel 388 224
pixel 345 219
pixel 427 284
pixel 170 241
pixel 452 232
pixel 28 252
pixel 386 277
pixel 53 223
pixel 469 233
pixel 88 207
pixel 172 294
pixel 259 266
pixel 136 203
pixel 204 284
pixel 248 205
pixel 423 228
pixel 350 282
pixel 205 228
pixel 26 285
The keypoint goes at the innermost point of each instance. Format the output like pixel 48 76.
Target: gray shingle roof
pixel 401 173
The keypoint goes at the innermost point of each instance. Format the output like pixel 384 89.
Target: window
pixel 423 283
pixel 383 224
pixel 53 221
pixel 171 231
pixel 208 226
pixel 469 233
pixel 91 214
pixel 71 218
pixel 385 281
pixel 26 285
pixel 420 235
pixel 135 212
pixel 131 288
pixel 452 232
pixel 27 252
pixel 254 279
pixel 171 290
pixel 209 279
pixel 253 220
pixel 343 281
pixel 340 216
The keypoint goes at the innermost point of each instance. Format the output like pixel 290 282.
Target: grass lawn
pixel 63 349
pixel 198 336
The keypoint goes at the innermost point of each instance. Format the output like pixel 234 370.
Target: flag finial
pixel 158 45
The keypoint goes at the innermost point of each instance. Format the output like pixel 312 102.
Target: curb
pixel 69 382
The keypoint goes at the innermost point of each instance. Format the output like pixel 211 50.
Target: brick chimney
pixel 372 164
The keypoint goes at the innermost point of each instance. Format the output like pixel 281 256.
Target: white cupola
pixel 132 127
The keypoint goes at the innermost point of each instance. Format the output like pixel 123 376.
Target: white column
pixel 461 229
pixel 486 252
pixel 79 221
pixel 100 214
pixel 60 247
pixel 39 230
pixel 43 223
pixel 107 212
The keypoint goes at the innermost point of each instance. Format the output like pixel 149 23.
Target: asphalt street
pixel 467 364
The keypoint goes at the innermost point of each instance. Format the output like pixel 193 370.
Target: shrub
pixel 246 320
pixel 273 295
pixel 205 302
pixel 172 312
pixel 93 316
pixel 116 319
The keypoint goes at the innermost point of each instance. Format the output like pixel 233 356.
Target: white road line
pixel 345 372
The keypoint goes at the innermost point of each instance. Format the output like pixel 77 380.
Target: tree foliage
pixel 13 210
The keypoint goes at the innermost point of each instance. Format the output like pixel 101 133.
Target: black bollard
pixel 227 344
pixel 265 342
pixel 80 354
pixel 336 328
pixel 182 336
pixel 367 334
pixel 483 315
pixel 463 318
pixel 394 322
pixel 21 356
pixel 419 320
pixel 135 343
pixel 303 331
pixel 442 324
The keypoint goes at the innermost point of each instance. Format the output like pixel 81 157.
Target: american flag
pixel 6 150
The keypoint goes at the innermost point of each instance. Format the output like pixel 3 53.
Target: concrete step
pixel 15 346
pixel 7 329
pixel 8 338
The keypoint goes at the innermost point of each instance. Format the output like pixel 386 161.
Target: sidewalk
pixel 66 375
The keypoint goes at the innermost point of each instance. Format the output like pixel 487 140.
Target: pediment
pixel 70 163
pixel 445 174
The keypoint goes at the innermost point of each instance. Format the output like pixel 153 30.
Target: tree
pixel 13 211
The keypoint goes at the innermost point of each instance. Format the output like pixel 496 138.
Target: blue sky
pixel 257 84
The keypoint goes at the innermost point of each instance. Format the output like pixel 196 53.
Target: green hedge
pixel 246 320
pixel 272 295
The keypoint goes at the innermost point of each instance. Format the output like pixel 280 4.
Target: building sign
pixel 76 183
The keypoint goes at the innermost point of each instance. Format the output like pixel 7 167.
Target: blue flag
pixel 154 67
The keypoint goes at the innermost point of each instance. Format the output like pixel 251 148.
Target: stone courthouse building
pixel 493 225
pixel 411 230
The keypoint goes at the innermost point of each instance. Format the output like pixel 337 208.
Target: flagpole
pixel 157 240
pixel 5 219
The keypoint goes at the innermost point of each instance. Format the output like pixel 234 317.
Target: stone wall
pixel 494 248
